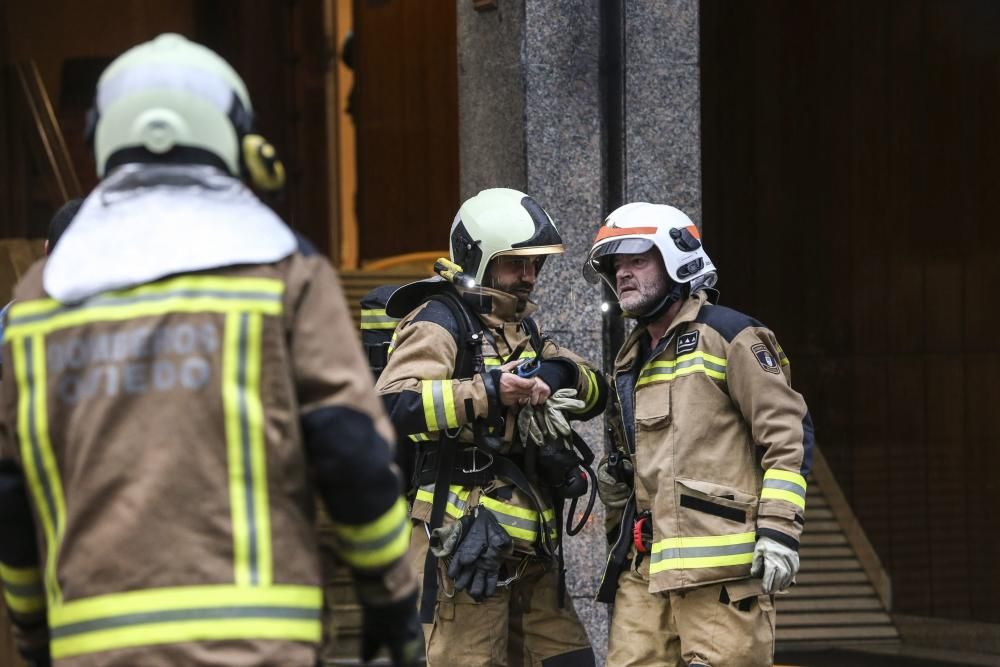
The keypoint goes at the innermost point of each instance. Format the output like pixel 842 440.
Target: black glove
pixel 397 627
pixel 475 567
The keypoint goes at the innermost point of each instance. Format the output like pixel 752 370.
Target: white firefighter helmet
pixel 167 94
pixel 501 221
pixel 635 228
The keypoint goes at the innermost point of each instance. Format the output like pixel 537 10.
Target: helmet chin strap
pixel 676 292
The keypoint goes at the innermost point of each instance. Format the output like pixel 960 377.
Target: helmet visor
pixel 600 260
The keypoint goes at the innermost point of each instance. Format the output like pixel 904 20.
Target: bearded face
pixel 641 281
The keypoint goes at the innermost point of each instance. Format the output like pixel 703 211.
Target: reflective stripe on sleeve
pixel 686 364
pixel 592 392
pixel 22 589
pixel 377 319
pixel 688 553
pixel 439 404
pixel 378 543
pixel 196 613
pixel 784 485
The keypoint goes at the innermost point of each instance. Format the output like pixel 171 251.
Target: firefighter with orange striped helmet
pixel 182 379
pixel 457 386
pixel 708 485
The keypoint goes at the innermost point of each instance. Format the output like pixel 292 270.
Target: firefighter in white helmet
pixel 183 379
pixel 707 484
pixel 487 486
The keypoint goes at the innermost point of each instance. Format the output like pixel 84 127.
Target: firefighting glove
pixel 614 494
pixel 536 424
pixel 397 627
pixel 446 538
pixel 775 563
pixel 475 567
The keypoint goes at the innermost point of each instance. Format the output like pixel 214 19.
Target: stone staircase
pixel 842 594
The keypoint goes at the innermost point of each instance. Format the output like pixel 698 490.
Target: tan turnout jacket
pixel 419 381
pixel 172 437
pixel 720 442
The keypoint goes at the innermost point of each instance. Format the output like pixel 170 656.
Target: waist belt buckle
pixel 640 538
pixel 475 463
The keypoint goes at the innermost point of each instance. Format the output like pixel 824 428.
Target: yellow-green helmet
pixel 170 94
pixel 501 221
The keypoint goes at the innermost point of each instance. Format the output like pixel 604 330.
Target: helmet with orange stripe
pixel 638 227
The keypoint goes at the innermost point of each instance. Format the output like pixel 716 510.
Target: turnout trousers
pixel 521 626
pixel 701 626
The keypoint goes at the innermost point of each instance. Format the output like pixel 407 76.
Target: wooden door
pixel 407 121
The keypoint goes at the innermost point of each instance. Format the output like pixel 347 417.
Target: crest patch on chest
pixel 687 342
pixel 766 360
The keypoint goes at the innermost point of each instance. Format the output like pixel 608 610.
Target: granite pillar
pixel 530 114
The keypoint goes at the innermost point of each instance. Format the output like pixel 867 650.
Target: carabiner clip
pixel 475 464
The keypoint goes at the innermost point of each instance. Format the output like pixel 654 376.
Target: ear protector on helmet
pixel 259 160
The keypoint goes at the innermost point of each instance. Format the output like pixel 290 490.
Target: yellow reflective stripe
pixel 173 632
pixel 457 496
pixel 227 284
pixel 21 576
pixel 245 447
pixel 500 361
pixel 36 450
pixel 258 458
pixel 185 294
pixel 169 615
pixel 378 543
pixel 22 588
pixel 703 541
pixel 447 390
pixel 590 398
pixel 703 562
pixel 427 397
pixel 683 553
pixel 392 346
pixel 377 319
pixel 786 476
pixel 781 494
pixel 438 399
pixel 782 357
pixel 419 437
pixel 686 364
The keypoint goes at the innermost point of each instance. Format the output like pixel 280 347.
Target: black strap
pixel 617 556
pixel 465 363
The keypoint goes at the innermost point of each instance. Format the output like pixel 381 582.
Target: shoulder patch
pixel 728 322
pixel 687 342
pixel 765 358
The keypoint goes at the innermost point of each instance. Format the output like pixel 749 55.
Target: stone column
pixel 531 118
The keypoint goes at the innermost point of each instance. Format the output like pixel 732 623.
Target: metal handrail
pixel 49 131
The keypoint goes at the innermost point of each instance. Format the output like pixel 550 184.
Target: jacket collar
pixel 689 311
pixel 503 307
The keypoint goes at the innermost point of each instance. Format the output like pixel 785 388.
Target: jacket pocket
pixel 713 509
pixel 652 407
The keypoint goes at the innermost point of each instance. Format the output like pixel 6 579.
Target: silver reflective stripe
pixel 203 614
pixel 784 486
pixel 437 391
pixel 105 301
pixel 702 552
pixel 670 370
pixel 377 543
pixel 453 498
pixel 514 521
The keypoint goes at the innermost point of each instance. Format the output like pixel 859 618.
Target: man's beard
pixel 642 300
pixel 518 289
